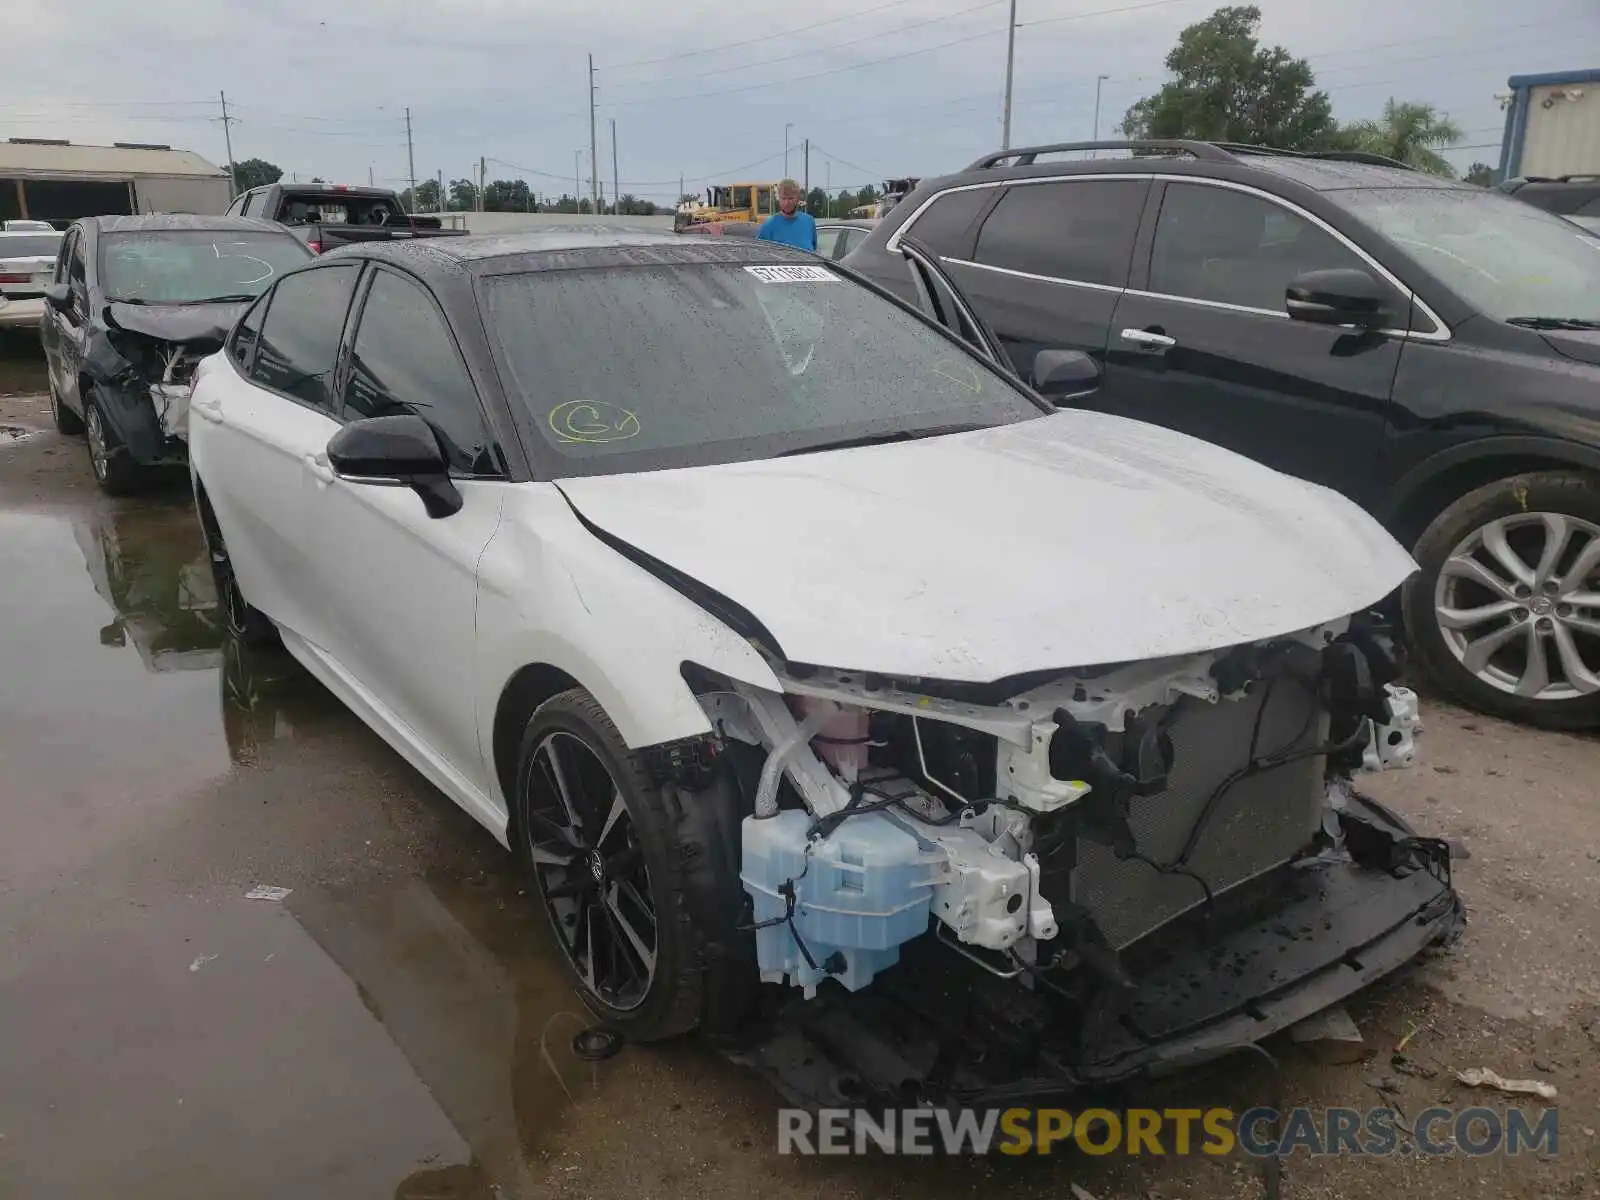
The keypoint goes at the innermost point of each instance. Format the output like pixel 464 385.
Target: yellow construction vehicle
pixel 749 202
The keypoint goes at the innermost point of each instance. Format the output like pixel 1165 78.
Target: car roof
pixel 28 233
pixel 165 222
pixel 565 247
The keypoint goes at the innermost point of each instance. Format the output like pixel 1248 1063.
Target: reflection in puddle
pixel 417 1044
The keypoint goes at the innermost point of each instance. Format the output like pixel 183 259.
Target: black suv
pixel 1429 348
pixel 1575 197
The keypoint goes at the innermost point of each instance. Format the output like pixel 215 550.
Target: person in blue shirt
pixel 789 225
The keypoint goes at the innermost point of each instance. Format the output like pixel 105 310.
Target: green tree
pixel 842 204
pixel 463 195
pixel 318 179
pixel 427 198
pixel 256 172
pixel 507 195
pixel 1481 174
pixel 1408 133
pixel 817 202
pixel 1230 88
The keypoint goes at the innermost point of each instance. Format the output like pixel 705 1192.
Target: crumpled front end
pixel 983 893
pixel 141 363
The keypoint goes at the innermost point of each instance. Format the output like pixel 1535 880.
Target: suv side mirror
pixel 1337 296
pixel 58 296
pixel 1060 375
pixel 396 451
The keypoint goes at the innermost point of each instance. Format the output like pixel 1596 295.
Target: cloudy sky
pixel 705 88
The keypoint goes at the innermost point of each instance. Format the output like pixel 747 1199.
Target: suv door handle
pixel 319 467
pixel 1149 339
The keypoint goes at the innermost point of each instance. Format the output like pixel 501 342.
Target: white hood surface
pixel 1072 540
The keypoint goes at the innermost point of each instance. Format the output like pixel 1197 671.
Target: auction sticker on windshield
pixel 795 274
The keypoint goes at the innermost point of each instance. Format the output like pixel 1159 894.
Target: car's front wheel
pixel 114 468
pixel 590 825
pixel 66 421
pixel 241 619
pixel 1505 612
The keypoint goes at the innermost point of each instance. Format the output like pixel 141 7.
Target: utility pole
pixel 411 161
pixel 577 176
pixel 440 207
pixel 483 176
pixel 616 185
pixel 227 138
pixel 1011 55
pixel 594 145
pixel 808 169
pixel 1098 80
pixel 371 182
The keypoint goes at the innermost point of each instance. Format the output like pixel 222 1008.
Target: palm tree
pixel 1409 133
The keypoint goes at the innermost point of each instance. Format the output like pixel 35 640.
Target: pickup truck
pixel 325 215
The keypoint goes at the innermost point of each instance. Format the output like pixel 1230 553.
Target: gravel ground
pixel 395 1026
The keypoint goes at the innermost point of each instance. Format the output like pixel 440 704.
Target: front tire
pixel 589 824
pixel 66 421
pixel 1505 612
pixel 114 468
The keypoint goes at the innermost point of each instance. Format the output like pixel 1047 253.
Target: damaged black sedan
pixel 134 303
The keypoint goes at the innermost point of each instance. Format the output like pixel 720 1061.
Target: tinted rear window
pixel 945 226
pixel 30 245
pixel 1081 230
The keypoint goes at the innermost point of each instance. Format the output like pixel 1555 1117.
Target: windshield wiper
pixel 878 439
pixel 1553 322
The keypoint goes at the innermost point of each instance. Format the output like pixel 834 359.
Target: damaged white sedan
pixel 843 699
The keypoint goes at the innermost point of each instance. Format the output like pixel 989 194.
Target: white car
pixel 27 264
pixel 840 695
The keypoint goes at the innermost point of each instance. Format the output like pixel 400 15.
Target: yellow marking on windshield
pixel 962 374
pixel 592 423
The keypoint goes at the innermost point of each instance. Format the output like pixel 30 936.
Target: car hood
pixel 1071 540
pixel 176 322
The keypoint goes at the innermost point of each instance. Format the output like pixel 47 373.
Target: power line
pixel 869 37
pixel 767 37
pixel 1103 12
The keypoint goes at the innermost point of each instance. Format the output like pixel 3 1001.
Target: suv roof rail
pixel 1353 156
pixel 1025 155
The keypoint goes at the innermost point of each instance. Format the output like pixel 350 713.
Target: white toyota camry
pixel 843 695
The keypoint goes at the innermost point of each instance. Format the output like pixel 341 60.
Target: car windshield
pixel 194 266
pixel 29 245
pixel 1505 258
pixel 637 368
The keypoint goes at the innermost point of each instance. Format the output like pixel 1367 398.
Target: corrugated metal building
pixel 1552 125
pixel 57 181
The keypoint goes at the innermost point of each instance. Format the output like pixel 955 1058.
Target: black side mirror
pixel 58 296
pixel 1337 296
pixel 397 451
pixel 1062 374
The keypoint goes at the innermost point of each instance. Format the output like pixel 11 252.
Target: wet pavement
pixel 396 1026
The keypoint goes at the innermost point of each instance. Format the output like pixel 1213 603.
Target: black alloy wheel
pixel 590 826
pixel 241 619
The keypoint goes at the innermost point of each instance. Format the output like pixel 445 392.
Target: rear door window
pixel 1231 247
pixel 247 332
pixel 1081 230
pixel 299 342
pixel 945 226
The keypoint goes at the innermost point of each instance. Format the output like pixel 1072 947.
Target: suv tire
pixel 1505 612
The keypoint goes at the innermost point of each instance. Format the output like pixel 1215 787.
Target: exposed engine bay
pixel 1011 890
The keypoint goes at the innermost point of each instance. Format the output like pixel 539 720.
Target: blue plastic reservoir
pixel 860 893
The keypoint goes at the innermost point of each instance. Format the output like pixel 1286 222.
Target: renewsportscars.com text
pixel 1259 1132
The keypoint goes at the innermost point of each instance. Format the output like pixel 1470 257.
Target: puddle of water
pixel 396 1027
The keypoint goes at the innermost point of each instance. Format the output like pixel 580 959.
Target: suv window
pixel 64 255
pixel 945 226
pixel 1235 248
pixel 247 331
pixel 252 202
pixel 406 361
pixel 1081 230
pixel 77 272
pixel 299 341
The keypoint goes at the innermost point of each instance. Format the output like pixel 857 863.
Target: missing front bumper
pixel 936 1029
